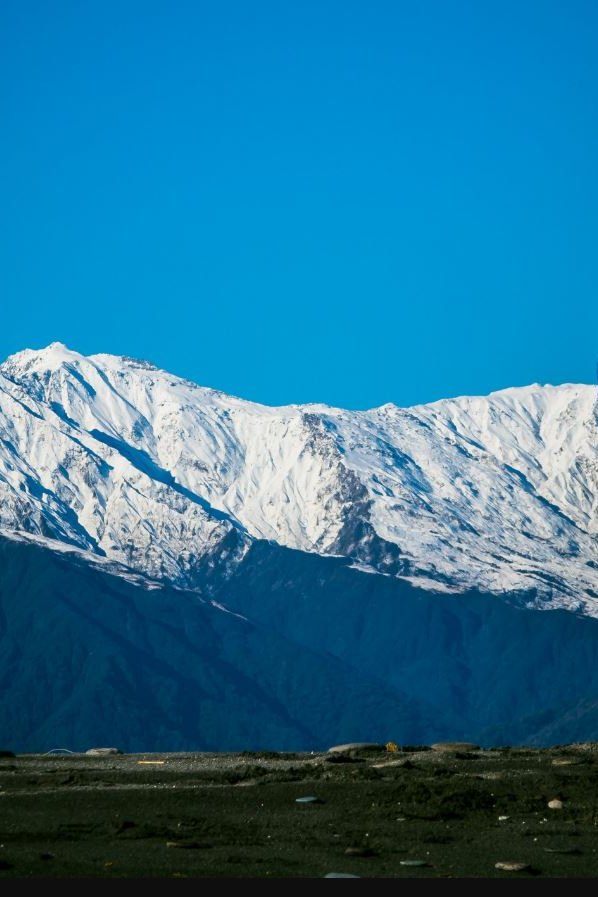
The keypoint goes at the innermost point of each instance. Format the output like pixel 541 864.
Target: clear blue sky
pixel 346 202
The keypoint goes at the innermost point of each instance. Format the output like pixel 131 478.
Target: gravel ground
pixel 369 811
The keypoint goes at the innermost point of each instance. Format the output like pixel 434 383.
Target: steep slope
pixel 294 652
pixel 92 484
pixel 495 493
pixel 89 658
pixel 499 672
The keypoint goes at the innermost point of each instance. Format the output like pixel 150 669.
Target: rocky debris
pixel 101 751
pixel 357 746
pixel 438 819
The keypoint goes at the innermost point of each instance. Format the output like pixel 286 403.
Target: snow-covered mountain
pixel 117 458
pixel 185 570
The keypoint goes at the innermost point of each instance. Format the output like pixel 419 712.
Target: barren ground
pixel 367 811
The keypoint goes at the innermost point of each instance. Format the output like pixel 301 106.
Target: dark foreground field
pixel 447 811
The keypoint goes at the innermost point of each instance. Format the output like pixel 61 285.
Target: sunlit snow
pixel 115 457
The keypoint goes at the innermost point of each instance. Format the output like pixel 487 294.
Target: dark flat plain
pixel 362 811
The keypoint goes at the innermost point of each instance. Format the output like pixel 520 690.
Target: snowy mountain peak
pixel 113 455
pixel 48 358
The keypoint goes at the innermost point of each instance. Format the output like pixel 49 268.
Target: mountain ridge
pixel 498 492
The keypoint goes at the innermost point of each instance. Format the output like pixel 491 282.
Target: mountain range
pixel 187 570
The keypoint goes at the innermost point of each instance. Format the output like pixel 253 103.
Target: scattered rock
pixel 510 866
pixel 340 875
pixel 555 804
pixel 357 746
pixel 99 751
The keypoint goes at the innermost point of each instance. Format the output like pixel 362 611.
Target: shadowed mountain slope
pixel 89 658
pixel 295 652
